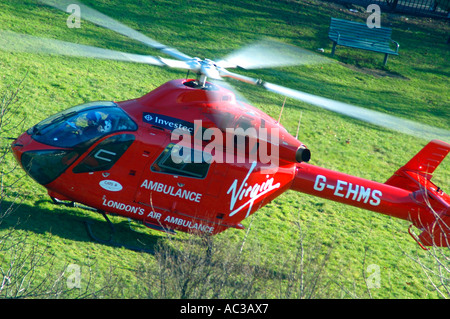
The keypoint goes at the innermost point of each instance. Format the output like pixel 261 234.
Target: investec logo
pixel 170 123
pixel 235 145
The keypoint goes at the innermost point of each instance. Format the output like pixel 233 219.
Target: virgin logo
pixel 244 191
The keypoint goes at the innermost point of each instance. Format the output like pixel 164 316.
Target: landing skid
pixel 109 241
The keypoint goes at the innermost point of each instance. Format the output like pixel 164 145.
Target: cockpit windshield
pixel 82 123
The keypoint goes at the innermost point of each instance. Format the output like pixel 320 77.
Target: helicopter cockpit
pixel 78 125
pixel 73 131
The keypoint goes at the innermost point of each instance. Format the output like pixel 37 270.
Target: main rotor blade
pixel 16 42
pixel 370 116
pixel 100 19
pixel 268 53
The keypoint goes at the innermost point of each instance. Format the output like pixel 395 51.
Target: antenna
pixel 282 107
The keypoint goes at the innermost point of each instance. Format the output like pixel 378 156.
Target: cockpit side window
pixel 81 124
pixel 182 161
pixel 105 154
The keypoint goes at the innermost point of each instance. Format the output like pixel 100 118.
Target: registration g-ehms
pixel 115 157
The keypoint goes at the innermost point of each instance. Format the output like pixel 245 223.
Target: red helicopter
pixel 192 156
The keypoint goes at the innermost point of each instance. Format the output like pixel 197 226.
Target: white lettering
pixel 170 190
pixel 319 185
pixel 374 20
pixel 154 215
pixel 241 145
pixel 197 309
pixel 253 191
pixel 374 279
pixel 349 191
pixel 364 193
pixel 74 279
pixel 353 191
pixel 123 207
pixel 189 224
pixel 339 188
pixel 74 20
pixel 375 201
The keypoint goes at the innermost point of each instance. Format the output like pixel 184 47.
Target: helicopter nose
pixel 41 162
pixel 19 144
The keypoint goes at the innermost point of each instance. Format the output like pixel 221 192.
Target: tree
pixel 9 197
pixel 27 268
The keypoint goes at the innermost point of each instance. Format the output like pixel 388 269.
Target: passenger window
pixel 105 154
pixel 182 161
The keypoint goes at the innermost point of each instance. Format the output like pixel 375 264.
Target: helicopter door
pixel 217 175
pixel 173 182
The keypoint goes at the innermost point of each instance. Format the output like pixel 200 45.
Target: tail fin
pixel 420 168
pixel 415 176
pixel 438 233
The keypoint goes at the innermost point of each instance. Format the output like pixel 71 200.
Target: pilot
pixel 96 124
pixel 93 118
pixel 89 125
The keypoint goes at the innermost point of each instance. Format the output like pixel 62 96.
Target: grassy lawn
pixel 413 85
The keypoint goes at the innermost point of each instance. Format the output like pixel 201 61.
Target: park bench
pixel 359 35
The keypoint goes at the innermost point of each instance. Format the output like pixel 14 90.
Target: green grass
pixel 413 85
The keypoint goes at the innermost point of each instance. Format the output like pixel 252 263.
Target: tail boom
pixel 417 199
pixel 354 191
